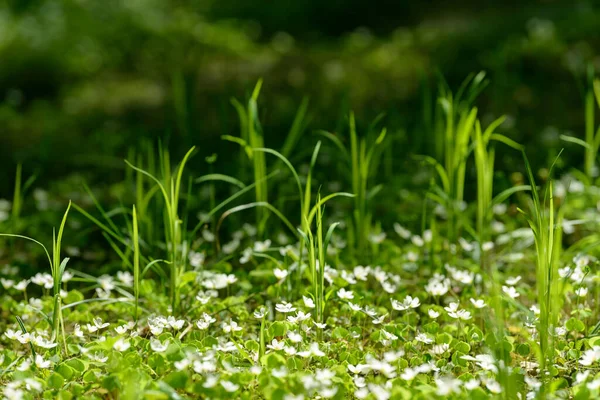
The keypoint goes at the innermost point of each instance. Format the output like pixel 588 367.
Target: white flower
pixel 300 317
pixel 7 283
pixel 176 324
pixel 261 247
pixel 409 374
pixel 478 303
pixel 440 348
pixel 447 386
pixel 229 386
pixel 510 291
pixel 493 386
pixel 43 279
pixel 423 338
pixel 41 363
pixel 77 331
pixel 276 345
pixel 358 368
pixel 294 336
pixel 182 364
pixel 377 238
pixel 581 292
pixel 409 302
pixel 121 345
pixel 487 246
pixel 157 346
pixel 308 302
pixel 379 320
pixel 589 357
pixel 260 313
pixel 211 381
pixel 472 384
pixel 125 277
pixel 594 385
pixel 232 326
pixel 417 241
pixel 354 307
pixel 285 307
pixel 345 294
pixel 280 274
pixel 320 325
pixel 454 312
pixel 432 313
pixel 22 285
pixel 313 350
pixel 513 281
pixel 401 231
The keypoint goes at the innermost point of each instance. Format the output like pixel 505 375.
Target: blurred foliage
pixel 81 81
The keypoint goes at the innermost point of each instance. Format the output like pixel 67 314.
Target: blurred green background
pixel 82 81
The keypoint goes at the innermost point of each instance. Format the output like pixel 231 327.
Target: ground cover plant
pixel 283 282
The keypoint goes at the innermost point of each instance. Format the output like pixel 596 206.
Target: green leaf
pixel 55 381
pixel 273 360
pixel 462 347
pixel 574 324
pixel 177 379
pixel 523 349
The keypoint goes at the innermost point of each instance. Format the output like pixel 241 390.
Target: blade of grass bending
pixel 32 240
pixel 337 142
pixel 227 201
pixel 24 330
pixel 324 200
pixel 220 177
pixel 253 205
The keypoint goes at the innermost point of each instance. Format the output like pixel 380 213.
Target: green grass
pixel 255 290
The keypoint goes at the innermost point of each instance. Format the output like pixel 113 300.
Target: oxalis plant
pixel 57 268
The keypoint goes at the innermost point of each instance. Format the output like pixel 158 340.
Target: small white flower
pixel 285 307
pixel 447 386
pixel 423 338
pixel 345 294
pixel 260 313
pixel 513 281
pixel 409 302
pixel 229 386
pixel 581 292
pixel 478 303
pixel 510 291
pixel 121 345
pixel 41 363
pixel 182 364
pixel 432 313
pixel 261 247
pixel 295 337
pixel 276 345
pixel 409 374
pixel 308 302
pixel 280 274
pixel 232 326
pixel 157 346
pixel 590 357
pixel 401 231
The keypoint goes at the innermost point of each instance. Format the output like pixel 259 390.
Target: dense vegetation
pixel 350 224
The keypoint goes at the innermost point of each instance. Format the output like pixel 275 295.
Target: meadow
pixel 279 282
